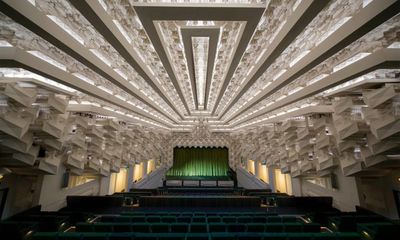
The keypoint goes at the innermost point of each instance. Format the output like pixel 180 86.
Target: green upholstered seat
pixel 17 230
pixel 249 236
pixel 123 219
pixel 172 236
pixel 85 227
pixel 137 219
pixel 199 214
pixel 198 228
pixel 217 227
pixel 108 218
pixel 186 214
pixel 95 236
pixel 121 236
pixel 348 236
pixel 229 219
pixel 259 219
pixel 213 219
pixel 222 236
pixel 147 236
pixel 184 219
pixel 168 219
pixel 236 227
pixel 69 236
pixel 299 236
pixel 141 227
pixel 179 227
pixel 274 227
pixel 255 227
pixel 324 236
pixel 197 236
pixel 274 236
pixel 153 219
pixel 103 227
pixel 244 219
pixel 122 227
pixel 45 236
pixel 287 219
pixel 380 230
pixel 274 219
pixel 311 227
pixel 199 219
pixel 160 228
pixel 293 227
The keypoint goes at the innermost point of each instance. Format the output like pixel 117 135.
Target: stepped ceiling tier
pixel 171 65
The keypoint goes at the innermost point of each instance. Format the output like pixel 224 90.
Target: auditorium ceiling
pixel 233 64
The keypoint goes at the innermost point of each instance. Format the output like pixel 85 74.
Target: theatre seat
pixel 198 228
pixel 217 227
pixel 160 228
pixel 136 219
pixel 229 219
pixel 274 236
pixel 236 227
pixel 213 219
pixel 172 236
pixel 259 219
pixel 103 227
pixel 121 219
pixel 168 219
pixel 199 219
pixel 141 227
pixel 249 236
pixel 179 227
pixel 244 219
pixel 95 236
pixel 121 236
pixel 146 236
pixel 45 236
pixel 274 227
pixel 122 227
pixel 153 219
pixel 274 219
pixel 69 236
pixel 293 227
pixel 197 236
pixel 311 227
pixel 184 219
pixel 222 236
pixel 255 227
pixel 299 236
pixel 84 227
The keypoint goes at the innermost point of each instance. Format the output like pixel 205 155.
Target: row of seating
pixel 195 236
pixel 198 214
pixel 197 227
pixel 349 223
pixel 209 219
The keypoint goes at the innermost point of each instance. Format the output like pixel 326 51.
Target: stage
pixel 199 178
pixel 200 201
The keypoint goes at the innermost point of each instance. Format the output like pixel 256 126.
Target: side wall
pixel 53 197
pixel 377 195
pixel 23 193
pixel 345 197
pixel 153 180
pixel 249 181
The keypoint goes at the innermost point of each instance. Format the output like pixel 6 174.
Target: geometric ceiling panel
pixel 251 16
pixel 172 64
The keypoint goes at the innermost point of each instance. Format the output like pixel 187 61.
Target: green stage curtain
pixel 200 162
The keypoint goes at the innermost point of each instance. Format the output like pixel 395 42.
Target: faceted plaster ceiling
pixel 235 63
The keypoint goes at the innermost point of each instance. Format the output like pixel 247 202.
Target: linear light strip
pixel 200 46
